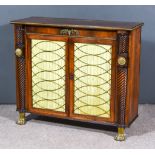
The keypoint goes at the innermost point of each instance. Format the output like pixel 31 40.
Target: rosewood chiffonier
pixel 85 70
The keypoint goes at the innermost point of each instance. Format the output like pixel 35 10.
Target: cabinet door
pixel 92 79
pixel 46 74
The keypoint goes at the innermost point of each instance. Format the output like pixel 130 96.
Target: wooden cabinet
pixel 78 69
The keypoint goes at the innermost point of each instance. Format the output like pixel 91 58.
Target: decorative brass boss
pixel 121 61
pixel 18 52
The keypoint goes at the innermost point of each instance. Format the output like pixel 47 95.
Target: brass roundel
pixel 18 52
pixel 121 61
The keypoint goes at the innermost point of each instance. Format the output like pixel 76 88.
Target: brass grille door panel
pixel 92 79
pixel 48 74
pixel 71 76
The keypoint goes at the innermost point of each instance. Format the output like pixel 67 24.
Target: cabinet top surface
pixel 78 23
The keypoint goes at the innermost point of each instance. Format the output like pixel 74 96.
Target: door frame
pixel 29 105
pixel 113 97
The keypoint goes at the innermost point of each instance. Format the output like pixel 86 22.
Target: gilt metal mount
pixel 18 52
pixel 121 135
pixel 69 32
pixel 121 61
pixel 21 119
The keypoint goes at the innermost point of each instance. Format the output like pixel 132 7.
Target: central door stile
pixel 71 75
pixel 67 85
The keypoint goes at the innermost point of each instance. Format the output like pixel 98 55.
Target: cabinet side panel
pixel 137 75
pixel 133 75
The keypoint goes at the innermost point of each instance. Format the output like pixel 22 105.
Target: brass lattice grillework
pixel 92 86
pixel 48 74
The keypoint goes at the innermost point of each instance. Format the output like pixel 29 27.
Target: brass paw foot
pixel 21 119
pixel 121 135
